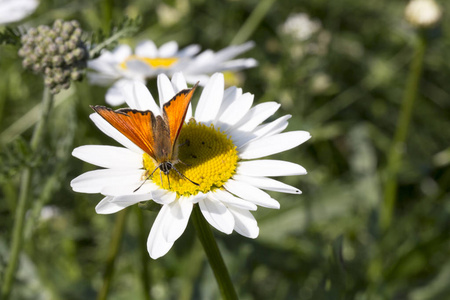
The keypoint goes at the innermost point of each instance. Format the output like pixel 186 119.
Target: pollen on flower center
pixel 160 62
pixel 206 156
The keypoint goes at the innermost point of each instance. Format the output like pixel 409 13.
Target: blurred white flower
pixel 49 212
pixel 227 139
pixel 15 10
pixel 300 26
pixel 122 66
pixel 423 13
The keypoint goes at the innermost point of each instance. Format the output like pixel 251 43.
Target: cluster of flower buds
pixel 57 52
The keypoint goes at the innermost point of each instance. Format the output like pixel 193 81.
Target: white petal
pixel 209 103
pixel 257 115
pixel 128 200
pixel 157 245
pixel 121 52
pixel 106 64
pixel 251 193
pixel 197 198
pixel 101 79
pixel 194 78
pixel 273 127
pixel 177 219
pixel 240 138
pixel 168 49
pixel 15 10
pixel 109 156
pixel 134 188
pixel 273 144
pixel 236 111
pixel 165 89
pixel 114 96
pixel 238 64
pixel 163 196
pixel 230 95
pixel 178 82
pixel 94 181
pixel 233 51
pixel 137 68
pixel 231 200
pixel 268 184
pixel 138 96
pixel 217 214
pixel 146 49
pixel 112 132
pixel 245 223
pixel 189 51
pixel 269 167
pixel 106 207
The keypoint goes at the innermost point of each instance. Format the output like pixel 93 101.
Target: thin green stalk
pixel 145 275
pixel 252 22
pixel 24 195
pixel 107 13
pixel 32 117
pixel 398 145
pixel 113 251
pixel 214 257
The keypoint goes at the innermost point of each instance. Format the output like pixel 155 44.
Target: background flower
pixel 122 65
pixel 16 10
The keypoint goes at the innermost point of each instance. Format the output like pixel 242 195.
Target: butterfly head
pixel 165 167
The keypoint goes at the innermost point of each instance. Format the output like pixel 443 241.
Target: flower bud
pixel 423 13
pixel 58 53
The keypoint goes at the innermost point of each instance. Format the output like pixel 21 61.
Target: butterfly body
pixel 156 136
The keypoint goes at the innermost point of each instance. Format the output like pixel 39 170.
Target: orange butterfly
pixel 157 136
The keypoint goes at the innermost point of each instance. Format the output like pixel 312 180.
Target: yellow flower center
pixel 161 62
pixel 206 156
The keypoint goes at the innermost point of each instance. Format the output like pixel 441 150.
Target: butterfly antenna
pixel 146 179
pixel 181 175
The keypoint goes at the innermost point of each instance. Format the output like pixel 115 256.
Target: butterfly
pixel 156 136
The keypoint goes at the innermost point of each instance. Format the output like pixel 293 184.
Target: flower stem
pixel 397 148
pixel 252 22
pixel 24 195
pixel 145 274
pixel 116 239
pixel 214 257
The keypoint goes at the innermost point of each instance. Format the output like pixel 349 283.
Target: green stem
pixel 397 149
pixel 107 12
pixel 113 251
pixel 145 275
pixel 24 195
pixel 32 117
pixel 214 257
pixel 252 22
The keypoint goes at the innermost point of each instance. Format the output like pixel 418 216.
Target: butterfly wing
pixel 136 125
pixel 175 112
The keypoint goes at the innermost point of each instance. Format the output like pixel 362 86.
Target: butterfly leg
pixel 146 179
pixel 186 142
pixel 182 176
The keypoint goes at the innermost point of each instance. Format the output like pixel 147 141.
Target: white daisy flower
pixel 227 139
pixel 122 66
pixel 15 10
pixel 300 26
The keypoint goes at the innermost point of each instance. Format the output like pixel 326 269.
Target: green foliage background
pixel 344 85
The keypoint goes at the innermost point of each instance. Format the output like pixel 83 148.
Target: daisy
pixel 227 139
pixel 15 10
pixel 122 66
